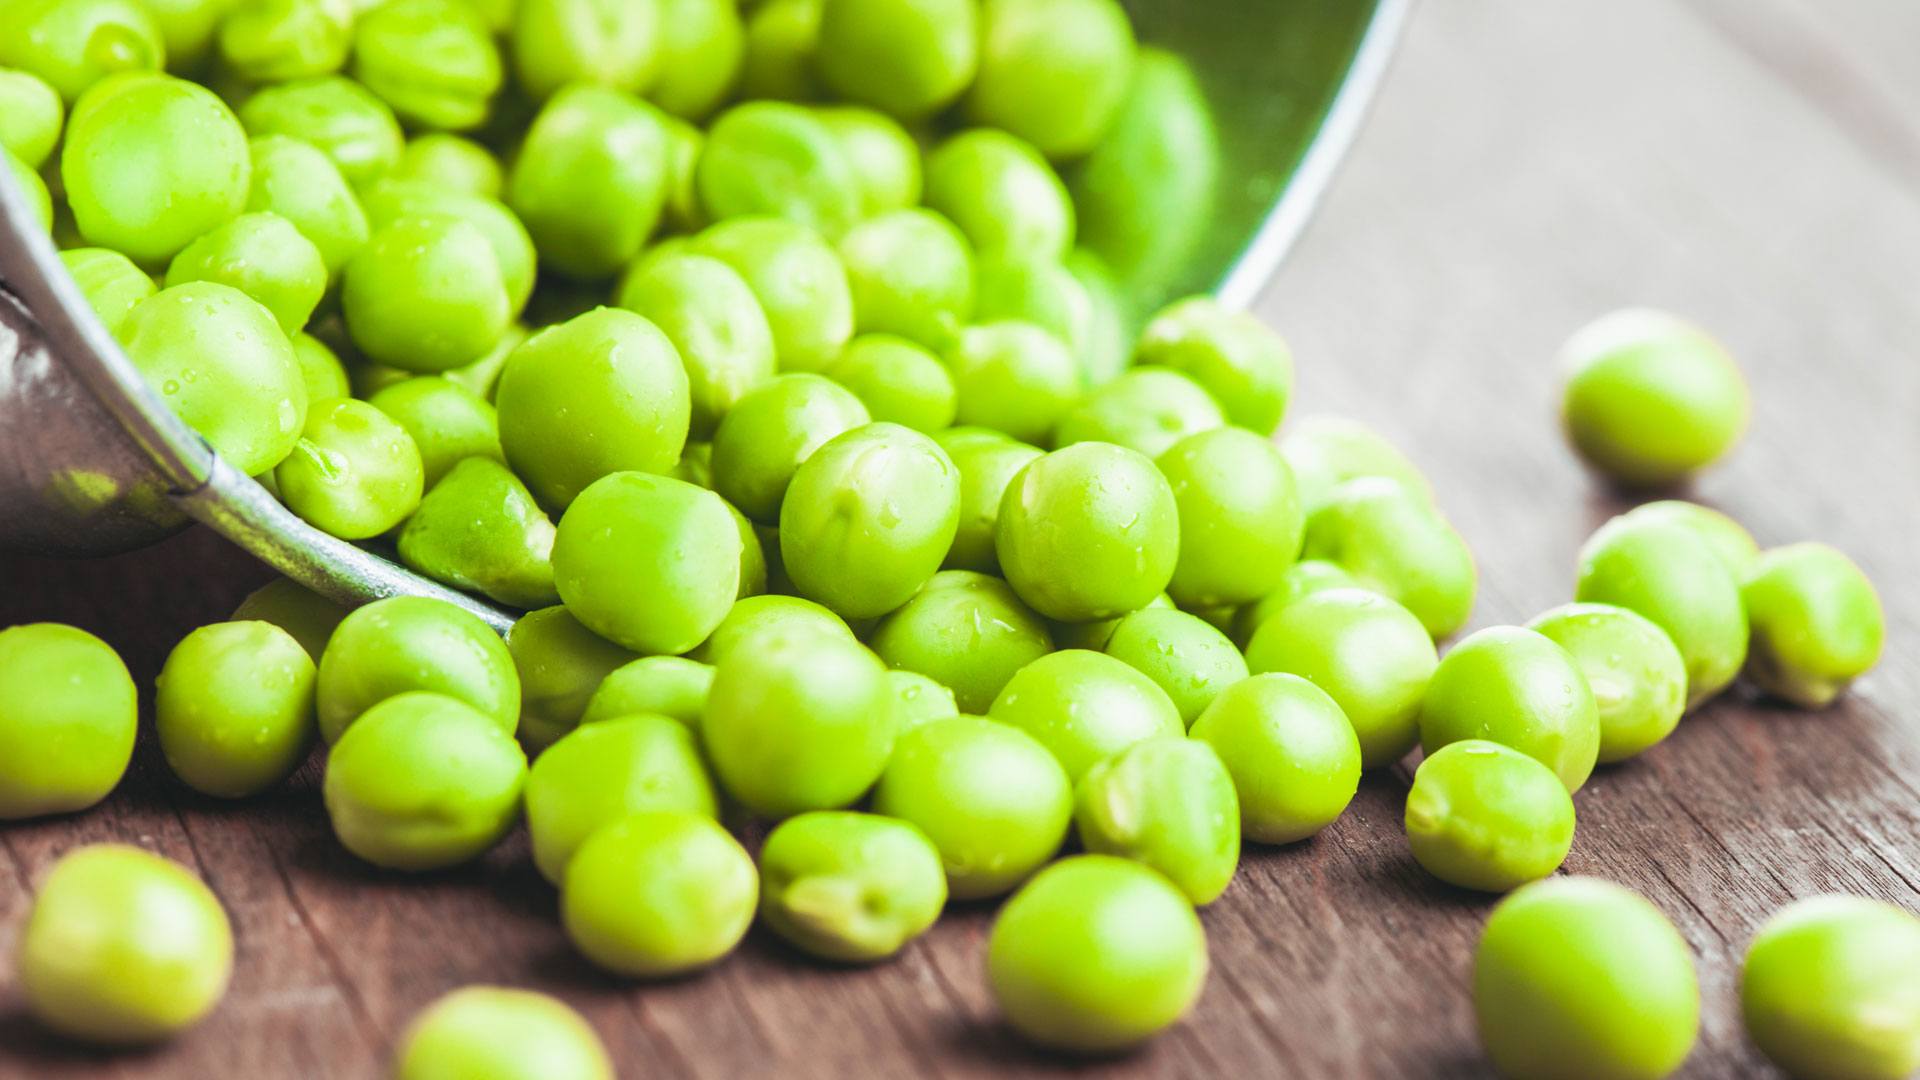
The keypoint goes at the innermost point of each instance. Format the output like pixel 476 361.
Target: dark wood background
pixel 1754 164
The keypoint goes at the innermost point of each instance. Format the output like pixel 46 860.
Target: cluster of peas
pixel 864 492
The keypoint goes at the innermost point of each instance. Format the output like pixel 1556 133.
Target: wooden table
pixel 1754 164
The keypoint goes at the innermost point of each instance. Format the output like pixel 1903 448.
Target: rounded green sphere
pixel 1830 989
pixel 234 708
pixel 1637 675
pixel 1650 398
pixel 1240 521
pixel 1294 759
pixel 1485 816
pixel 602 772
pixel 1668 574
pixel 1085 707
pixel 1169 804
pixel 499 1033
pixel 406 643
pixel 966 631
pixel 67 718
pixel 658 893
pixel 1088 532
pixel 1515 687
pixel 850 887
pixel 1816 623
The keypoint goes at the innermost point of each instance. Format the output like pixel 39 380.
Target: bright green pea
pixel 1638 678
pixel 1816 623
pixel 850 887
pixel 222 364
pixel 1729 539
pixel 909 58
pixel 1668 574
pixel 1088 532
pixel 561 666
pixel 991 798
pixel 390 200
pixel 31 114
pixel 1147 409
pixel 1515 687
pixel 72 44
pixel 800 281
pixel 350 125
pixel 1575 976
pixel 123 946
pixel 426 294
pixel 480 529
pixel 648 562
pixel 1002 194
pixel 150 164
pixel 298 182
pixel 497 1033
pixel 770 431
pixel 670 686
pixel 1169 804
pixel 1485 816
pixel 1293 756
pixel 188 27
pixel 966 631
pixel 409 643
pixel 602 393
pixel 799 721
pixel 885 157
pixel 607 43
pixel 320 370
pixel 658 894
pixel 354 473
pixel 287 604
pixel 776 158
pixel 919 700
pixel 754 615
pixel 701 45
pixel 1298 580
pixel 67 717
pixel 911 273
pixel 899 381
pixel 602 772
pixel 591 178
pixel 111 283
pixel 1327 451
pixel 988 461
pixel 1038 290
pixel 448 422
pixel 434 61
pixel 1181 653
pixel 1244 365
pixel 1068 979
pixel 1650 398
pixel 1831 989
pixel 781 38
pixel 1015 378
pixel 1085 707
pixel 234 708
pixel 264 256
pixel 1053 72
pixel 715 323
pixel 39 200
pixel 1240 521
pixel 452 162
pixel 277 41
pixel 1395 543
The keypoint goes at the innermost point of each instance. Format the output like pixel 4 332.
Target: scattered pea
pixel 67 718
pixel 499 1033
pixel 234 708
pixel 1485 816
pixel 850 887
pixel 1170 804
pixel 1831 988
pixel 1816 623
pixel 1294 759
pixel 658 893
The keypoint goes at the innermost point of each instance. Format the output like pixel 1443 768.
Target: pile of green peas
pixel 781 362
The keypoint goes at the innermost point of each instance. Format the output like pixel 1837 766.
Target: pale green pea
pixel 31 114
pixel 591 177
pixel 1515 687
pixel 277 41
pixel 909 58
pixel 72 44
pixel 1816 623
pixel 1240 520
pixel 700 48
pixel 354 473
pixel 1395 543
pixel 1327 451
pixel 778 61
pixel 988 461
pixel 899 381
pixel 1037 290
pixel 1167 803
pixel 233 708
pixel 111 283
pixel 448 422
pixel 497 1033
pixel 393 199
pixel 919 700
pixel 1649 398
pixel 799 280
pixel 777 158
pixel 1485 816
pixel 1300 579
pixel 1076 557
pixel 433 61
pixel 1729 539
pixel 1085 707
pixel 715 323
pixel 264 256
pixel 480 529
pixel 1638 677
pixel 427 293
pixel 770 431
pixel 1147 409
pixel 1244 365
pixel 287 604
pixel 1668 574
pixel 452 162
pixel 884 156
pixel 322 372
pixel 911 273
pixel 670 686
pixel 1002 194
pixel 1293 756
pixel 341 117
pixel 67 718
pixel 850 887
pixel 658 894
pixel 1015 378
pixel 411 643
pixel 608 43
pixel 605 771
pixel 754 615
pixel 300 183
pixel 1189 659
pixel 966 631
pixel 561 665
pixel 1829 986
pixel 1053 72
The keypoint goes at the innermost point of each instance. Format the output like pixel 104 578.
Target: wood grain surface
pixel 1754 164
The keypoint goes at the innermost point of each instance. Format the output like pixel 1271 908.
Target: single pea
pixel 1298 580
pixel 991 798
pixel 751 616
pixel 1096 634
pixel 715 323
pixel 423 781
pixel 850 887
pixel 701 45
pixel 1085 707
pixel 498 1033
pixel 909 58
pixel 1096 954
pixel 1244 365
pixel 658 894
pixel 1831 988
pixel 1039 290
pixel 341 117
pixel 800 721
pixel 287 604
pixel 67 719
pixel 1088 532
pixel 1183 655
pixel 919 700
pixel 885 157
pixel 234 708
pixel 1515 687
pixel 1170 804
pixel 561 664
pixel 111 283
pixel 1485 816
pixel 799 280
pixel 1650 398
pixel 782 36
pixel 1014 378
pixel 407 643
pixel 354 473
pixel 390 200
pixel 900 382
pixel 425 294
pixel 591 177
pixel 479 529
pixel 39 199
pixel 276 41
pixel 988 461
pixel 776 158
pixel 648 562
pixel 433 61
pixel 122 946
pixel 1575 976
pixel 1053 72
pixel 1395 543
pixel 31 114
pixel 1002 194
pixel 450 161
pixel 607 43
pixel 151 163
pixel 603 772
pixel 1327 451
pixel 224 367
pixel 262 255
pixel 298 182
pixel 1638 678
pixel 1147 409
pixel 670 686
pixel 1240 521
pixel 1816 623
pixel 447 422
pixel 1666 573
pixel 1293 756
pixel 966 631
pixel 911 273
pixel 770 431
pixel 321 370
pixel 1729 539
pixel 73 44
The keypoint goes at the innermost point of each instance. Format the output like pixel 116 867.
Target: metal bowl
pixel 92 461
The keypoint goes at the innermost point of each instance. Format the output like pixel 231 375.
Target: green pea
pixel 1579 976
pixel 670 686
pixel 1638 678
pixel 1485 816
pixel 497 1033
pixel 1181 653
pixel 1395 543
pixel 777 158
pixel 1649 398
pixel 899 381
pixel 850 887
pixel 321 370
pixel 480 529
pixel 354 473
pixel 1298 580
pixel 1167 803
pixel 262 255
pixel 561 665
pixel 800 721
pixel 701 46
pixel 1066 980
pixel 988 461
pixel 287 604
pixel 715 323
pixel 31 114
pixel 658 893
pixel 234 708
pixel 909 58
pixel 1293 756
pixel 448 422
pixel 966 631
pixel 1244 365
pixel 1062 99
pixel 1085 707
pixel 151 163
pixel 648 562
pixel 1240 522
pixel 1828 989
pixel 1147 409
pixel 1816 623
pixel 1515 687
pixel 341 117
pixel 1327 451
pixel 1666 573
pixel 1002 194
pixel 911 273
pixel 1729 539
pixel 409 643
pixel 603 772
pixel 602 393
pixel 607 43
pixel 434 61
pixel 187 27
pixel 423 781
pixel 991 798
pixel 754 615
pixel 919 700
pixel 39 200
pixel 1088 532
pixel 781 39
pixel 1106 335
pixel 391 200
pixel 222 364
pixel 276 41
pixel 885 157
pixel 67 718
pixel 799 280
pixel 770 431
pixel 426 294
pixel 122 946
pixel 1014 378
pixel 300 183
pixel 451 162
pixel 73 44
pixel 591 178
pixel 111 283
